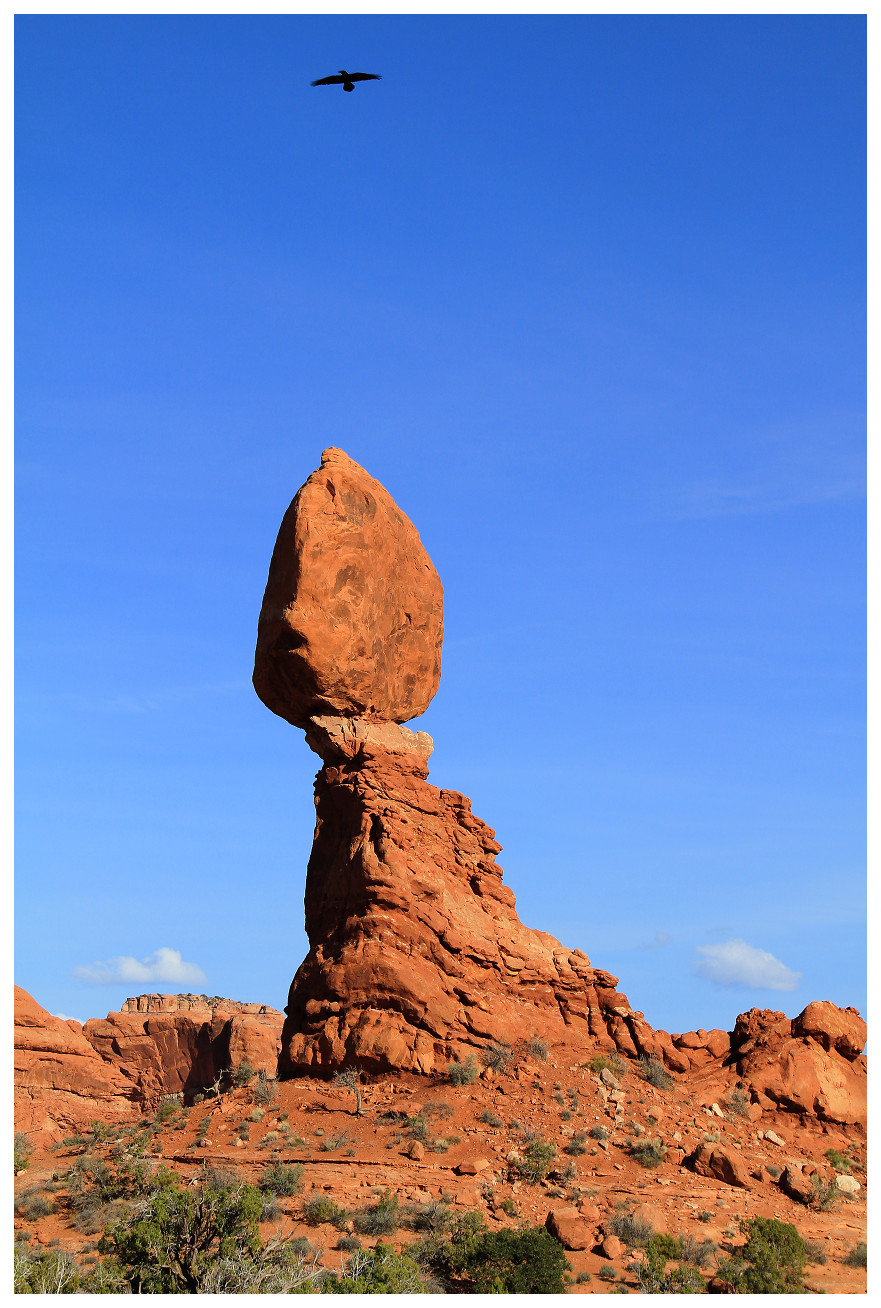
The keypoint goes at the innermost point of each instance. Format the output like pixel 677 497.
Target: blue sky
pixel 587 295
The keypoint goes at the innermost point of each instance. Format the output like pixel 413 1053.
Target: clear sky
pixel 586 294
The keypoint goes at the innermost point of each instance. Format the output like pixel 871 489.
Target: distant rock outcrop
pixel 177 1044
pixel 61 1082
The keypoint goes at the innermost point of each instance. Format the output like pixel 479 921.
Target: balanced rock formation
pixel 177 1044
pixel 416 952
pixel 352 617
pixel 417 956
pixel 61 1082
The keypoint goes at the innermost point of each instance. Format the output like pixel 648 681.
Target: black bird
pixel 348 80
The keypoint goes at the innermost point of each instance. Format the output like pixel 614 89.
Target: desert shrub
pixel 655 1278
pixel 278 1267
pixel 337 1140
pixel 433 1216
pixel 577 1146
pixel 472 1258
pixel 738 1102
pixel 170 1242
pixel 655 1073
pixel 613 1062
pixel 256 1114
pixel 270 1210
pixel 857 1257
pixel 694 1251
pixel 243 1074
pixel 650 1153
pixel 582 1278
pixel 607 1274
pixel 282 1179
pixel 537 1161
pixel 838 1160
pixel 464 1073
pixel 381 1218
pixel 348 1243
pixel 350 1080
pixel 377 1271
pixel 54 1271
pixel 437 1108
pixel 166 1110
pixel 264 1089
pixel 216 1176
pixel 21 1152
pixel 320 1209
pixel 634 1231
pixel 771 1262
pixel 537 1049
pixel 815 1253
pixel 824 1193
pixel 32 1204
pixel 490 1118
pixel 599 1132
pixel 498 1056
pixel 566 1115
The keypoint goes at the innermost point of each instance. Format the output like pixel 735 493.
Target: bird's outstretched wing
pixel 329 81
pixel 365 77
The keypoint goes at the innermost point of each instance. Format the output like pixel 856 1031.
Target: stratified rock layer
pixel 417 954
pixel 352 616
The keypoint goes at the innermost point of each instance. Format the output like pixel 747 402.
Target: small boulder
pixel 611 1247
pixel 569 1227
pixel 723 1163
pixel 794 1183
pixel 774 1138
pixel 848 1184
pixel 416 1151
pixel 471 1166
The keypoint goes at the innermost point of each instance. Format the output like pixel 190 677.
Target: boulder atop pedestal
pixel 352 616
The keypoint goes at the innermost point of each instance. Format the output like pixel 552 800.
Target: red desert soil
pixel 464 1156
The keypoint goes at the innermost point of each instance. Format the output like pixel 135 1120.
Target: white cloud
pixel 165 966
pixel 65 1017
pixel 735 963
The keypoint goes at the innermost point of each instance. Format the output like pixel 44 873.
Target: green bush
pixel 243 1074
pixel 655 1073
pixel 490 1118
pixel 464 1073
pixel 607 1274
pixel 21 1153
pixel 381 1218
pixel 650 1153
pixel 283 1179
pixel 54 1271
pixel 694 1251
pixel 318 1210
pixel 166 1110
pixel 471 1258
pixel 839 1161
pixel 377 1271
pixel 655 1278
pixel 577 1145
pixel 771 1262
pixel 169 1245
pixel 537 1161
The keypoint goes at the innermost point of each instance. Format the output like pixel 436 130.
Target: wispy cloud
pixel 164 967
pixel 735 963
pixel 658 941
pixel 65 1017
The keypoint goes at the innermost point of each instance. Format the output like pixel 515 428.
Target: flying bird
pixel 348 80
